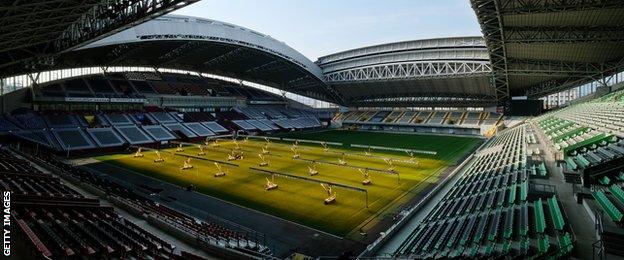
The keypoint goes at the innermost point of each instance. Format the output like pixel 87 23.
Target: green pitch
pixel 302 201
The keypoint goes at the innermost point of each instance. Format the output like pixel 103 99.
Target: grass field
pixel 302 201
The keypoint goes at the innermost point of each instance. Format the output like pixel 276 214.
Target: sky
pixel 321 27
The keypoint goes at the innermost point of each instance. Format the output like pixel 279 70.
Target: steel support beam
pixel 554 86
pixel 33 30
pixel 547 34
pixel 528 67
pixel 412 95
pixel 410 70
pixel 489 16
pixel 512 7
pixel 425 102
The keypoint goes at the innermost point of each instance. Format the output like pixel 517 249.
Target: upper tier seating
pixel 105 137
pixel 215 127
pixel 73 139
pixel 410 117
pixel 199 129
pixel 6 125
pixel 133 134
pixel 180 128
pixel 158 133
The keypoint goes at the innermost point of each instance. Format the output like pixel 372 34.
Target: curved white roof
pixel 172 27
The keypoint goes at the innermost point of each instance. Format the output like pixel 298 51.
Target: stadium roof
pixel 540 47
pixel 530 47
pixel 208 46
pixel 432 72
pixel 32 33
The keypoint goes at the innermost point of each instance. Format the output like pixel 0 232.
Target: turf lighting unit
pixel 325 147
pixel 391 167
pixel 138 153
pixel 312 169
pixel 159 157
pixel 366 175
pixel 331 195
pixel 235 155
pixel 205 159
pixel 315 181
pixel 220 172
pixel 342 160
pixel 201 150
pixel 187 164
pixel 295 152
pixel 263 161
pixel 271 183
pixel 179 149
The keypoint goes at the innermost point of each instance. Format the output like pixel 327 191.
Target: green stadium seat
pixel 524 190
pixel 509 223
pixel 524 244
pixel 570 164
pixel 512 194
pixel 542 169
pixel 543 244
pixel 494 223
pixel 620 176
pixel 489 248
pixel 540 220
pixel 617 192
pixel 555 212
pixel 582 161
pixel 455 253
pixel 604 180
pixel 565 244
pixel 524 220
pixel 473 250
pixel 604 202
pixel 506 247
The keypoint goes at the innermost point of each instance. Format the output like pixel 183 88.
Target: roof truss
pixel 489 15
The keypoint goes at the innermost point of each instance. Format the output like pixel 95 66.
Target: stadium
pixel 130 132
